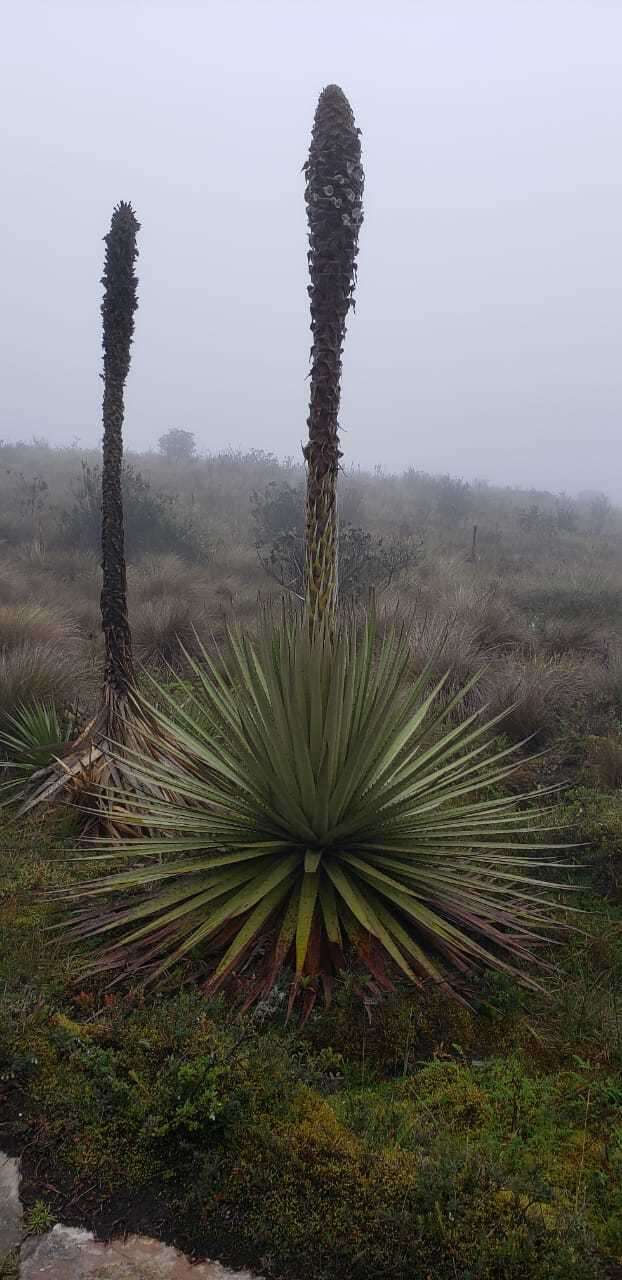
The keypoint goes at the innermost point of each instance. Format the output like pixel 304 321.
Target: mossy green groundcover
pixel 413 1138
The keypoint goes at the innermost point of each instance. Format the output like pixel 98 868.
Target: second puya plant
pixel 319 808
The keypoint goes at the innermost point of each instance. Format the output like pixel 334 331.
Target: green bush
pixel 366 561
pixel 154 521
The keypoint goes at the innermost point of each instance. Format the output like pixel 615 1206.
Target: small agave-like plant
pixel 32 737
pixel 318 804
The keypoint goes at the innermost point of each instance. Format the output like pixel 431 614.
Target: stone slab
pixel 11 1228
pixel 69 1253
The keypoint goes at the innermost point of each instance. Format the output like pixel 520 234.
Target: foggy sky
pixel 487 336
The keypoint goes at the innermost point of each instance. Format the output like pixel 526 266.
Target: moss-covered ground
pixel 416 1138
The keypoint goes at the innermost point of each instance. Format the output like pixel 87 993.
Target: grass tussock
pixel 37 673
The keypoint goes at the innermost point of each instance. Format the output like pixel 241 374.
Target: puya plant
pixel 89 759
pixel 317 805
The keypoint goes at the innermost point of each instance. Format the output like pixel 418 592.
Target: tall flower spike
pixel 118 307
pixel 87 763
pixel 334 197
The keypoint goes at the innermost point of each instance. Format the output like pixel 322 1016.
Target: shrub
pixel 154 521
pixel 533 519
pixel 567 514
pixel 600 511
pixel 366 561
pixel 453 499
pixel 134 1093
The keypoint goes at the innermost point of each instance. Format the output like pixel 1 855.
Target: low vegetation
pixel 413 1136
pixel 481 1140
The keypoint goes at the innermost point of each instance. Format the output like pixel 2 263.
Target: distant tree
pixel 454 499
pixel 178 445
pixel 334 195
pixel 534 519
pixel 529 518
pixel 567 514
pixel 600 510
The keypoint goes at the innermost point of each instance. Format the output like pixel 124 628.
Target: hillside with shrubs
pixel 536 606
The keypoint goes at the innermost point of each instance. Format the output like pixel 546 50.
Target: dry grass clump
pixel 161 577
pixel 498 625
pixel 38 673
pixel 451 646
pixel 539 692
pixel 607 686
pixel 171 601
pixel 11 584
pixel 582 636
pixel 75 567
pixel 36 625
pixel 162 629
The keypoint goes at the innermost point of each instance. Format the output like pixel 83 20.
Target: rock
pixel 68 1253
pixel 11 1228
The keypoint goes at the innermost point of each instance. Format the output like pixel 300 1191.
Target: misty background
pixel 486 340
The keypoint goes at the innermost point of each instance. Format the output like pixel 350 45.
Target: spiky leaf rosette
pixel 35 735
pixel 334 196
pixel 317 802
pixel 118 306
